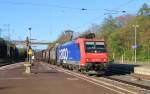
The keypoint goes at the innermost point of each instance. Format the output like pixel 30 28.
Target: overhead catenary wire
pixel 108 11
pixel 123 5
pixel 55 6
pixel 45 5
pixel 113 11
pixel 116 10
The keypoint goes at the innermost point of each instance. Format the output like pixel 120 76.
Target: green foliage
pixel 119 35
pixel 144 10
pixel 88 35
pixel 109 25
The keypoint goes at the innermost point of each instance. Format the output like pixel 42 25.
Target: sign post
pixel 135 40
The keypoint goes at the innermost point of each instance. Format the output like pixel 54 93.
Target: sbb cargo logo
pixel 63 54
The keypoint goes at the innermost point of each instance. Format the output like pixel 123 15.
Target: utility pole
pixel 148 53
pixel 7 28
pixel 135 41
pixel 0 32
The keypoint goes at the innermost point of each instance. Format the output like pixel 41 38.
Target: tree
pixel 123 20
pixel 109 25
pixel 144 10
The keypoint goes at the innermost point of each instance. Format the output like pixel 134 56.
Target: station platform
pixel 44 79
pixel 142 69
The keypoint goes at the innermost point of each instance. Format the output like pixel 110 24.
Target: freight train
pixel 85 55
pixel 9 53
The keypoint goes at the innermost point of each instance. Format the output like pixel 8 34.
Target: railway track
pixel 135 77
pixel 4 64
pixel 119 85
pixel 11 66
pixel 127 82
pixel 109 82
pixel 6 61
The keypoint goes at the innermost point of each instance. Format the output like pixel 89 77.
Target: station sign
pixel 135 46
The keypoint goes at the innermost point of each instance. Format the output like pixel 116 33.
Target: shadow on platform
pixel 120 69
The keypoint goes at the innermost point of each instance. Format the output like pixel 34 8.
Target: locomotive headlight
pixel 104 59
pixel 87 59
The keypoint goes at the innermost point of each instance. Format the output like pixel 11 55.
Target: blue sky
pixel 48 18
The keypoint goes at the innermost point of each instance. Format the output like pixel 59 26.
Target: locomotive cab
pixel 94 55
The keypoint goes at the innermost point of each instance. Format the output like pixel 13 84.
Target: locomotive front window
pixel 100 47
pixel 95 47
pixel 89 45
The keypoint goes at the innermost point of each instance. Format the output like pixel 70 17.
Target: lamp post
pixel 30 34
pixel 30 44
pixel 135 40
pixel 29 53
